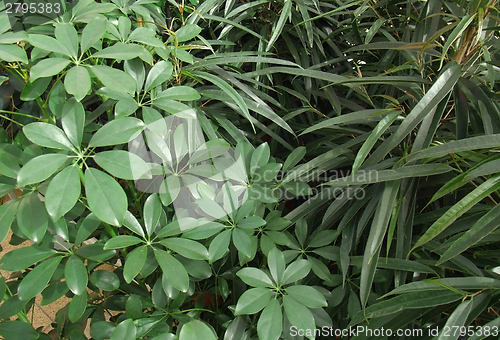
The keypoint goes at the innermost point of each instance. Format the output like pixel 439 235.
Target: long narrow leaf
pixel 459 209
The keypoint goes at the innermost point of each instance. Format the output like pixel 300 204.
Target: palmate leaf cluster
pixel 345 173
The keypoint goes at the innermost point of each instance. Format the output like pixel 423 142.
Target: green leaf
pixel 60 228
pixel 88 226
pixel 183 55
pixel 125 330
pixel 280 24
pixel 95 252
pixel 295 271
pixel 405 301
pixel 17 330
pixel 7 213
pixel 379 130
pixel 134 262
pixel 114 79
pixel 48 68
pixel 276 264
pixel 53 292
pixel 187 248
pixel 135 68
pixel 48 43
pixel 457 210
pixel 106 280
pixel 13 53
pixel 152 213
pixel 76 275
pixel 187 32
pixel 146 36
pixel 123 164
pixel 40 168
pixel 32 91
pixel 456 146
pixel 319 268
pixel 211 208
pixel 255 277
pixel 195 330
pixel 77 82
pixel 227 89
pixel 174 107
pixel 253 300
pixel 32 217
pixel 73 121
pixel 251 222
pixel 77 306
pixel 22 258
pixel 299 315
pixel 133 307
pixel 92 32
pixel 11 306
pixel 270 324
pixel 180 93
pixel 482 228
pixel 47 135
pixel 267 173
pixel 373 176
pixel 307 296
pixel 67 35
pixel 117 131
pixel 63 192
pixel 120 51
pixel 242 242
pixel 439 90
pixel 100 330
pixel 38 278
pixel 260 157
pixel 105 197
pixel 125 107
pixel 173 271
pixel 121 241
pixel 158 74
pixel 132 224
pixel 455 34
pixel 457 319
pixel 376 236
pixel 219 246
pixel 294 157
pixel 9 164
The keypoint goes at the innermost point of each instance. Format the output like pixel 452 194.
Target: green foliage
pixel 251 168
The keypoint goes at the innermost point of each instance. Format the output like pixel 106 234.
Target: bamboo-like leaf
pixel 468 144
pixel 457 210
pixel 482 228
pixel 375 238
pixel 449 283
pixel 379 130
pixel 373 176
pixel 456 320
pixel 235 96
pixel 441 88
pixel 350 118
pixel 405 301
pixel 455 34
pixel 280 24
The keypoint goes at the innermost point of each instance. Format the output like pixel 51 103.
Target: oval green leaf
pixel 105 197
pixel 76 275
pixel 40 168
pixel 118 131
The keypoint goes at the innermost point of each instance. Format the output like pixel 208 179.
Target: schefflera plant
pixel 281 298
